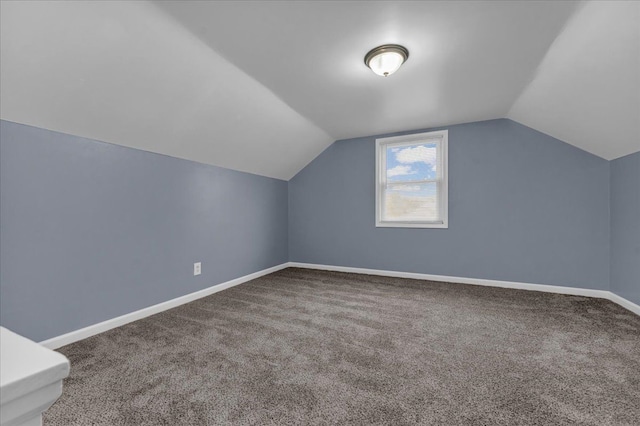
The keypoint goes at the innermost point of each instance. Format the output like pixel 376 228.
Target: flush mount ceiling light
pixel 386 59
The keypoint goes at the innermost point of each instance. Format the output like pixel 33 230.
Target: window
pixel 411 181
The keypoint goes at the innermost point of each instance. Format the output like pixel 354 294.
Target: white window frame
pixel 440 138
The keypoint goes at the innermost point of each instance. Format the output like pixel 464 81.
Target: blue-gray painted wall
pixel 625 227
pixel 90 231
pixel 523 206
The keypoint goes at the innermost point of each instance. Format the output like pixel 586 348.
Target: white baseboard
pixel 83 333
pixel 603 294
pixel 624 303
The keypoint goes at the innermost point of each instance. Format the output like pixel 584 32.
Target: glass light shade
pixel 387 59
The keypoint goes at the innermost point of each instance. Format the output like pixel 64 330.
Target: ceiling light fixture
pixel 386 59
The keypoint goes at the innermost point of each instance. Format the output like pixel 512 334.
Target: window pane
pixel 413 162
pixel 411 202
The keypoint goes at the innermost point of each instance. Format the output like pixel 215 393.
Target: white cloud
pixel 418 154
pixel 400 171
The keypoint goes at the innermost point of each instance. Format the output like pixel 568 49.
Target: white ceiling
pixel 264 87
pixel 126 73
pixel 586 91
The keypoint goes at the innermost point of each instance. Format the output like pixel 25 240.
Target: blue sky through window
pixel 414 162
pixel 411 163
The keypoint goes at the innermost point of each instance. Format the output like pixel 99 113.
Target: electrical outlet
pixel 197 268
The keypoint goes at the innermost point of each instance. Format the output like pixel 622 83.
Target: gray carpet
pixel 311 347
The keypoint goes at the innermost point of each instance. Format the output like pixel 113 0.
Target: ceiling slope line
pixel 536 71
pixel 586 90
pixel 132 76
pixel 226 57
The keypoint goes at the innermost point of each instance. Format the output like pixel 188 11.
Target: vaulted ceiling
pixel 264 87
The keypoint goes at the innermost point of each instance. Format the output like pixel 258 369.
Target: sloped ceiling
pixel 586 91
pixel 264 87
pixel 129 74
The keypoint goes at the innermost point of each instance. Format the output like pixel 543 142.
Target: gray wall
pixel 625 227
pixel 523 206
pixel 90 231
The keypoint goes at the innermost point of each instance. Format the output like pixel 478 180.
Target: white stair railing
pixel 30 379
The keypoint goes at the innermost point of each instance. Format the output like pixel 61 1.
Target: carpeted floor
pixel 312 347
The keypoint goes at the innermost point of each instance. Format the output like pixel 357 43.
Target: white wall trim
pixel 92 330
pixel 624 303
pixel 83 333
pixel 575 291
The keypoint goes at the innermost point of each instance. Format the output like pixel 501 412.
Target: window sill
pixel 439 225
